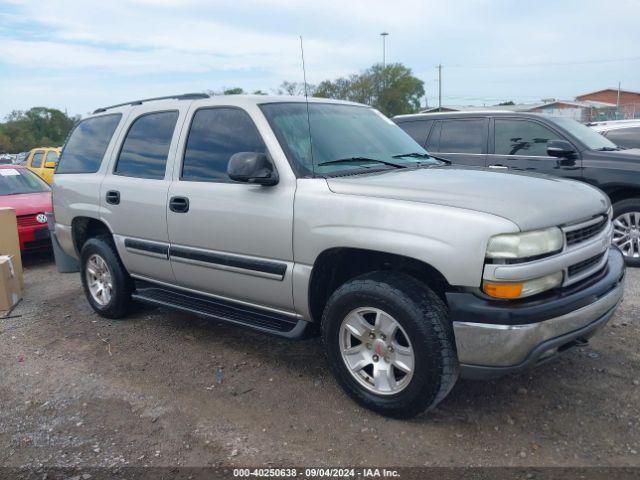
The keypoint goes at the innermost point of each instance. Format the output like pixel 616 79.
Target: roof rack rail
pixel 184 96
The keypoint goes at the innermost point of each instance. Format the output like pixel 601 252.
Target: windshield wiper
pixel 609 149
pixel 422 155
pixel 362 159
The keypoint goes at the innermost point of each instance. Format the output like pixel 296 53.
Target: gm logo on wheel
pixel 41 218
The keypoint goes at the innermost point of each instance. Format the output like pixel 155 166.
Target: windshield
pixel 592 139
pixel 17 180
pixel 361 137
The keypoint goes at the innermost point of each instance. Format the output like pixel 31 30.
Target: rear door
pixel 460 140
pixel 521 144
pixel 134 190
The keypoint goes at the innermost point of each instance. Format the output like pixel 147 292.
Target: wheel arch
pixel 335 266
pixel 83 228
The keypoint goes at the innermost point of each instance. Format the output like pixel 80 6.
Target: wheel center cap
pixel 380 347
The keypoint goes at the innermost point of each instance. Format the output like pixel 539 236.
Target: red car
pixel 30 197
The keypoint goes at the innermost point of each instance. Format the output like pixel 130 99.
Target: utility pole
pixel 384 53
pixel 440 87
pixel 618 103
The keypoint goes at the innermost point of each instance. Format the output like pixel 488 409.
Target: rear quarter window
pixel 417 129
pixel 87 144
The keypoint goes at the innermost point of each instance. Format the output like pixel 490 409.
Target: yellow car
pixel 42 161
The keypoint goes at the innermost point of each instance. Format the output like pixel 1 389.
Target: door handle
pixel 499 167
pixel 113 197
pixel 179 204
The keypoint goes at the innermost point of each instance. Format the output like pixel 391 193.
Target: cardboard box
pixel 10 290
pixel 9 244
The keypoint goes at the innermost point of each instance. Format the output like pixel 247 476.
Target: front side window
pixel 146 147
pixel 36 162
pixel 52 156
pixel 87 144
pixel 522 137
pixel 359 137
pixel 463 136
pixel 14 181
pixel 215 135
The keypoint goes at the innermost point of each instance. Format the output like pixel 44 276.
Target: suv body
pixel 532 142
pixel 279 215
pixel 42 161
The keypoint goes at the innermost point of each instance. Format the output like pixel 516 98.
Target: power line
pixel 549 64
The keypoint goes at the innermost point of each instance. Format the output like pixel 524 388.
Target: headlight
pixel 526 244
pixel 522 289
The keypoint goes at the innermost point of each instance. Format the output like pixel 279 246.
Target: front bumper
pixel 494 338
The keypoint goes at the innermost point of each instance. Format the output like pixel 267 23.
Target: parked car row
pixel 529 142
pixel 286 216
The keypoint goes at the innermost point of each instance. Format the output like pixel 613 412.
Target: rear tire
pixel 626 235
pixel 106 282
pixel 423 340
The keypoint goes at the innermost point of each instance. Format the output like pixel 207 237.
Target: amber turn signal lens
pixel 503 290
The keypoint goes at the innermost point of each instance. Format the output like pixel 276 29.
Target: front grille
pixel 583 266
pixel 28 221
pixel 585 233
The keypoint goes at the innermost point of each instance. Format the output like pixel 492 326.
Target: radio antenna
pixel 306 100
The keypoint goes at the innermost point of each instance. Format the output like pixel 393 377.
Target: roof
pixel 579 103
pixel 475 108
pixel 608 90
pixel 203 99
pixel 614 125
pixel 496 113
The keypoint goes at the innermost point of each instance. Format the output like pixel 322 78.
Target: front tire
pixel 390 344
pixel 626 229
pixel 106 282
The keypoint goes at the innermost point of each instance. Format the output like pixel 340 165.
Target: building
pixel 582 111
pixel 628 107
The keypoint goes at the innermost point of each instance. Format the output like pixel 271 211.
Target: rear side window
pixel 522 137
pixel 146 147
pixel 418 130
pixel 87 144
pixel 625 137
pixel 463 136
pixel 36 162
pixel 215 135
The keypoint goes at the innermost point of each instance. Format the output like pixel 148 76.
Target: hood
pixel 530 201
pixel 28 203
pixel 631 155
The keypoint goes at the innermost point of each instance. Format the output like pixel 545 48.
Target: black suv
pixel 543 144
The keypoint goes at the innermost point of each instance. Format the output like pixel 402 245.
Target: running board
pixel 238 314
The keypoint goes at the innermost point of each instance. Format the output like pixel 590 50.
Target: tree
pixel 295 88
pixel 36 127
pixel 233 91
pixel 504 104
pixel 391 89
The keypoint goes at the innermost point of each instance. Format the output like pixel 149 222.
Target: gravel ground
pixel 163 388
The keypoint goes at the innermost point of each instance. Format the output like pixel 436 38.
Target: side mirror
pixel 50 164
pixel 560 149
pixel 252 167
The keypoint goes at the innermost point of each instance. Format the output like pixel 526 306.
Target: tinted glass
pixel 417 130
pixel 434 137
pixel 146 146
pixel 14 181
pixel 592 139
pixel 52 156
pixel 625 137
pixel 85 147
pixel 36 162
pixel 463 136
pixel 338 132
pixel 520 137
pixel 215 135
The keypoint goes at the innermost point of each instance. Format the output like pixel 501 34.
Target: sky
pixel 80 55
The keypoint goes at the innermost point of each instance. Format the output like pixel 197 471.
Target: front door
pixel 135 188
pixel 231 240
pixel 521 145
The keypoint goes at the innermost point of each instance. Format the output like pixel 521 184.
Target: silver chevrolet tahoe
pixel 287 216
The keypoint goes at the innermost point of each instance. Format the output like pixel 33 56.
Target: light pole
pixel 384 37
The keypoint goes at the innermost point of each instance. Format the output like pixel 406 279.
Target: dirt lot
pixel 162 388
